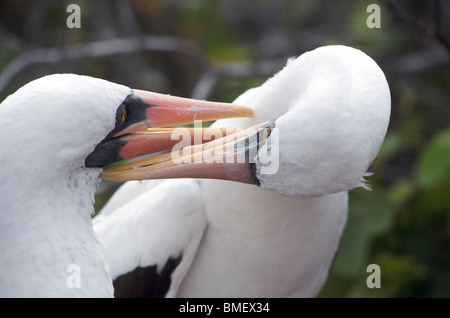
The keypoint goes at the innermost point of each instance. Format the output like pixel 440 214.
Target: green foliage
pixel 403 224
pixel 370 217
pixel 433 167
pixel 404 228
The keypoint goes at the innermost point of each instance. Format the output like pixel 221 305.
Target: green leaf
pixel 433 166
pixel 391 146
pixel 400 192
pixel 398 271
pixel 369 217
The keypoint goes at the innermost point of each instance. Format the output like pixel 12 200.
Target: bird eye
pixel 124 114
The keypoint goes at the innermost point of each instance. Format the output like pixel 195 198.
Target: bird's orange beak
pixel 149 135
pixel 152 135
pixel 215 153
pixel 231 155
pixel 167 111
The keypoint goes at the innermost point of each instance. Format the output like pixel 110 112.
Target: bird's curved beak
pixel 146 132
pixel 151 135
pixel 231 157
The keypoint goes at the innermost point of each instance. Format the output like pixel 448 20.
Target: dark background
pixel 218 49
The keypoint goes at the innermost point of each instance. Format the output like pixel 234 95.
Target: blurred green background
pixel 218 49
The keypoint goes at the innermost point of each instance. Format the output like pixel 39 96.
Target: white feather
pixel 46 192
pixel 332 107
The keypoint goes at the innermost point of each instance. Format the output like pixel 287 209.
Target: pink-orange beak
pixel 217 153
pixel 142 130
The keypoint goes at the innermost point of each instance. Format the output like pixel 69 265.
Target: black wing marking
pixel 145 282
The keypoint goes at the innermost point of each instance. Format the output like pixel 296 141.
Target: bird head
pixel 59 124
pixel 320 122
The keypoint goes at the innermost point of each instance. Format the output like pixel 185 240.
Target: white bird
pixel 324 118
pixel 56 135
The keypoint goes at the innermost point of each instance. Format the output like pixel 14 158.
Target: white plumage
pixel 56 135
pixel 332 108
pixel 147 223
pixel 46 192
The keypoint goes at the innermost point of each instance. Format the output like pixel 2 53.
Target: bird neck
pixel 48 245
pixel 338 106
